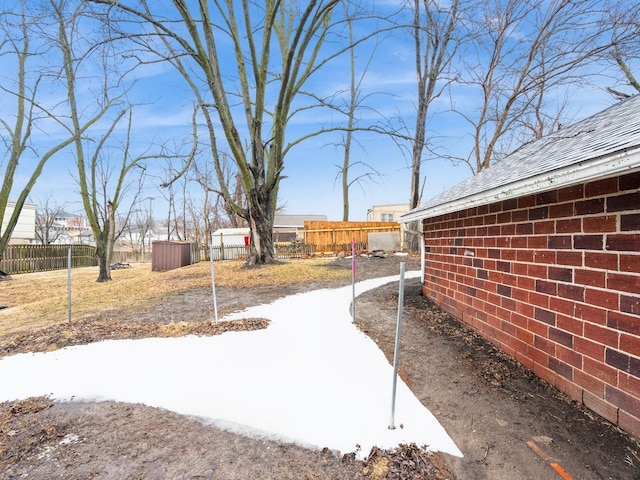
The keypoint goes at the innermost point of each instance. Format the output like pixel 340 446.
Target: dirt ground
pixel 508 424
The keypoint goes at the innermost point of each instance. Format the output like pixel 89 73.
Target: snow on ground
pixel 311 377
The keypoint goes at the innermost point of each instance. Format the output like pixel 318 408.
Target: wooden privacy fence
pixel 335 237
pixel 40 258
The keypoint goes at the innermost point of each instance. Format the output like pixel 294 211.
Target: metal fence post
pixel 69 282
pixel 396 352
pixel 353 279
pixel 213 282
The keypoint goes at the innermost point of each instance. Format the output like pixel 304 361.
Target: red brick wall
pixel 553 279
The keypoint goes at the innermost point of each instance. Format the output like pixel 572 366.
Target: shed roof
pixel 605 144
pixel 231 231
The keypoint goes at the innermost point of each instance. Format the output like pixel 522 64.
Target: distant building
pixel 70 221
pixel 25 230
pixel 70 228
pixel 231 236
pixel 288 228
pixel 387 213
pixel 230 243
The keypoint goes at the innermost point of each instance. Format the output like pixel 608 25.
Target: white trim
pixel 576 173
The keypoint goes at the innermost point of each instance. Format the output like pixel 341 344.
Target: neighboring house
pixel 70 221
pixel 540 254
pixel 69 228
pixel 25 230
pixel 387 213
pixel 289 228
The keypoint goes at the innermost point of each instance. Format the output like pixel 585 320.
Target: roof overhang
pixel 623 162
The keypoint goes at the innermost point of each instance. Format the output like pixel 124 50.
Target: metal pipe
pixel 396 353
pixel 353 279
pixel 69 282
pixel 213 281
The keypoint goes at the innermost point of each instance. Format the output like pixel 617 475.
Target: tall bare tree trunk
pixel 434 35
pixel 252 32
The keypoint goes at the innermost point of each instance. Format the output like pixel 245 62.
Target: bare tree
pixel 47 213
pixel 108 185
pixel 134 230
pixel 522 50
pixel 173 182
pixel 355 101
pixel 436 31
pixel 217 212
pixel 198 220
pixel 276 48
pixel 201 215
pixel 18 29
pixel 227 211
pixel 109 172
pixel 623 20
pixel 238 198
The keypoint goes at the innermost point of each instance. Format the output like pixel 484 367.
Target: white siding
pixel 25 230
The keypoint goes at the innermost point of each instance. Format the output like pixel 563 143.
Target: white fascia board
pixel 582 172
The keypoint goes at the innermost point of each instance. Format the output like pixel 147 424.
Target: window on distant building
pixel 386 217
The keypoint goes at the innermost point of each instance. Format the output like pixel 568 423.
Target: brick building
pixel 540 254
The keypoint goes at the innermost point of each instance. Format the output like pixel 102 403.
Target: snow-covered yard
pixel 311 377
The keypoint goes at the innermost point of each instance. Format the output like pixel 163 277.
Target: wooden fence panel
pixel 40 258
pixel 337 236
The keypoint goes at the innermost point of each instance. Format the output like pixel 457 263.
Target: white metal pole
pixel 353 279
pixel 69 282
pixel 396 352
pixel 213 281
pixel 422 259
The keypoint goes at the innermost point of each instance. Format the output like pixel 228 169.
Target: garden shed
pixel 168 255
pixel 540 254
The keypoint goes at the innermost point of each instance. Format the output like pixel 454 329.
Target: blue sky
pixel 165 105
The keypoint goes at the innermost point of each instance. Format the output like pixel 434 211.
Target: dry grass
pixel 39 300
